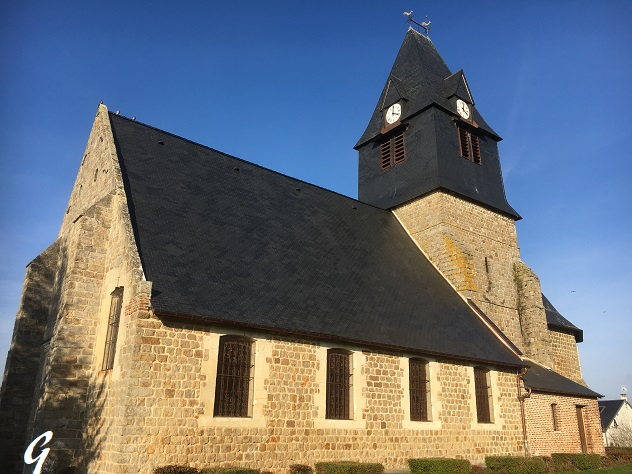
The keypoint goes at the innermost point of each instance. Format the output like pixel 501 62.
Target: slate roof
pixel 541 379
pixel 426 78
pixel 608 409
pixel 422 80
pixel 226 241
pixel 555 320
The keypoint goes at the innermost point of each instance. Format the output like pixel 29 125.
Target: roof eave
pixel 204 319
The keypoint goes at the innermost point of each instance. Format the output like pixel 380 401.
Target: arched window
pixel 339 385
pixel 419 386
pixel 483 390
pixel 233 387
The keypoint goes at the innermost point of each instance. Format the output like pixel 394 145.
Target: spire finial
pixel 424 24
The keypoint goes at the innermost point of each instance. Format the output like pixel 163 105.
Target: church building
pixel 199 309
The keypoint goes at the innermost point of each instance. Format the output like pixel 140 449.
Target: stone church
pixel 199 309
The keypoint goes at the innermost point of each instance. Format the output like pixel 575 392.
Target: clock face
pixel 393 113
pixel 463 109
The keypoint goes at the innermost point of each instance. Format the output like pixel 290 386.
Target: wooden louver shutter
pixel 465 148
pixel 470 146
pixel 392 151
pixel 398 148
pixel 476 149
pixel 385 155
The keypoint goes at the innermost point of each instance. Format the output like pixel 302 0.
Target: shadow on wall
pixel 62 458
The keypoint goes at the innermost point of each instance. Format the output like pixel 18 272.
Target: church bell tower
pixel 428 155
pixel 426 134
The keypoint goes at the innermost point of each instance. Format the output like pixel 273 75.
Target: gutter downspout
pixel 522 397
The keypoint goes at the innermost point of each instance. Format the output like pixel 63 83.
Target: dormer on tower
pixel 426 134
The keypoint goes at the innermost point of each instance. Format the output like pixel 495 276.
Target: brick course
pixel 544 440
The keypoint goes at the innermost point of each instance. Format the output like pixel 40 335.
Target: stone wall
pixel 544 439
pixel 95 254
pixel 535 332
pixel 155 406
pixel 474 248
pixel 565 355
pixel 22 368
pixel 166 395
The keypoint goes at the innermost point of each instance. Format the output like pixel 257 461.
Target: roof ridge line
pixel 246 161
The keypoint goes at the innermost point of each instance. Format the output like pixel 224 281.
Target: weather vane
pixel 424 24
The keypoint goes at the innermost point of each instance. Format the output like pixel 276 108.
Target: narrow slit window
pixel 233 387
pixel 339 385
pixel 483 390
pixel 116 303
pixel 419 390
pixel 392 151
pixel 556 423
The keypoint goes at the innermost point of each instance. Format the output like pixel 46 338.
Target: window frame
pixel 469 144
pixel 339 394
pixel 555 417
pixel 111 336
pixel 483 395
pixel 392 151
pixel 233 386
pixel 419 389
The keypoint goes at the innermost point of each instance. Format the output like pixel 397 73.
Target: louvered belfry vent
pixel 398 148
pixel 392 151
pixel 418 390
pixel 338 384
pixel 385 155
pixel 476 150
pixel 234 375
pixel 470 147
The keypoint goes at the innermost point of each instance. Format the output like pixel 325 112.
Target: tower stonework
pixel 446 189
pixel 476 249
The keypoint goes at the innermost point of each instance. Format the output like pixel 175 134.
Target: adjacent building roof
pixel 541 379
pixel 227 241
pixel 608 409
pixel 555 320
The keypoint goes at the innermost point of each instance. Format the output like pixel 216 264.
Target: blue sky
pixel 292 85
